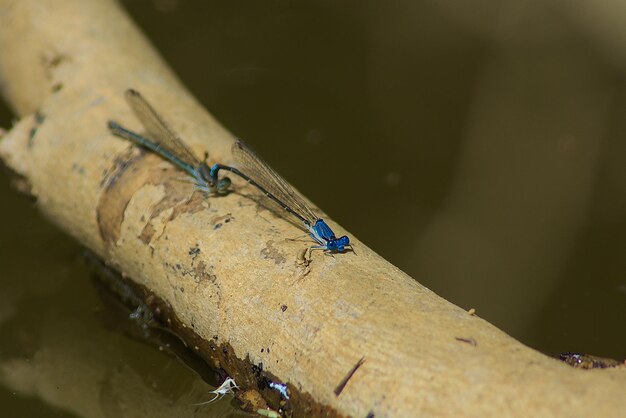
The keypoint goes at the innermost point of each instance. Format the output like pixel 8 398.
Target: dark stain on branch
pixel 56 87
pixel 53 60
pixel 269 252
pixel 39 120
pixel 147 233
pixel 340 387
pixel 194 252
pixel 219 221
pixel 469 341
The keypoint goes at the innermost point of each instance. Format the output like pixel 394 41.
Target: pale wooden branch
pixel 223 268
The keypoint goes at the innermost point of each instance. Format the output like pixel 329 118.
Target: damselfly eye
pixel 223 184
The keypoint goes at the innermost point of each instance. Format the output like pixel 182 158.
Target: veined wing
pixel 158 130
pixel 249 163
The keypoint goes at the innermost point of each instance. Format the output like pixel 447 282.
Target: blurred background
pixel 477 146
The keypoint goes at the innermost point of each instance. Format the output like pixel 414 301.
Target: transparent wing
pixel 158 130
pixel 253 166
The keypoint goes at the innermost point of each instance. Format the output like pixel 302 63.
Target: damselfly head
pixel 338 244
pixel 223 185
pixel 342 243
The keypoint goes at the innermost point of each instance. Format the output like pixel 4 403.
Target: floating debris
pixel 281 388
pixel 268 413
pixel 587 361
pixel 224 389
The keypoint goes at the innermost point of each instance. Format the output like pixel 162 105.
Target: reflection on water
pixel 482 153
pixel 65 353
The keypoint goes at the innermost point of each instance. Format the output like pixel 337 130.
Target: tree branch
pixel 224 267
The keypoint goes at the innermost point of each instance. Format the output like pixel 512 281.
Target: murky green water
pixel 482 153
